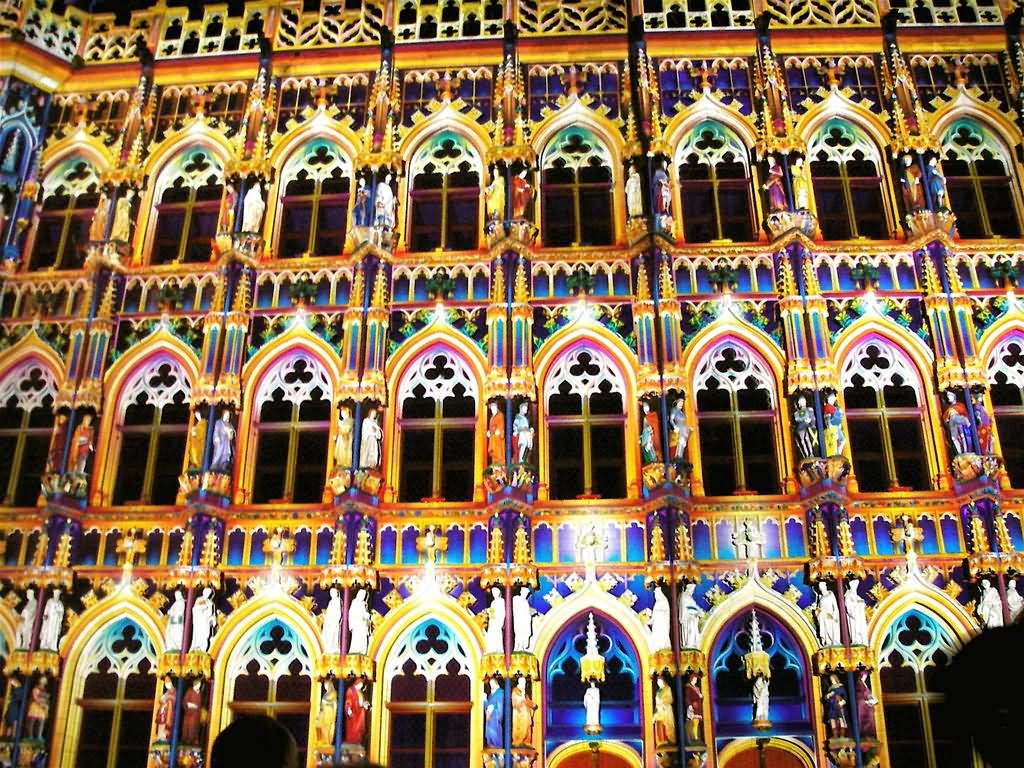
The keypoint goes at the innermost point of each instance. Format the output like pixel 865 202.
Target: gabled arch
pixel 967 106
pixel 916 593
pixel 575 114
pixel 708 109
pixel 856 114
pixel 887 329
pixel 439 333
pixel 30 347
pixel 320 126
pixel 445 119
pixel 1008 326
pixel 81 144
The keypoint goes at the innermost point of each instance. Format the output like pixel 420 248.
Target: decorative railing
pixel 333 24
pixel 931 12
pixel 823 13
pixel 696 14
pixel 572 17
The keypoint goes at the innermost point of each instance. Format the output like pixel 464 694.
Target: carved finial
pixel 210 557
pixel 62 556
pixel 643 288
pixel 187 542
pixel 521 545
pixel 498 286
pixel 362 555
pixel 667 283
pixel 657 544
pixel 338 547
pixel 358 286
pixel 380 289
pixel 39 556
pixel 684 547
pixel 522 286
pixel 496 546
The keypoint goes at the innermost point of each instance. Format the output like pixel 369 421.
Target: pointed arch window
pixel 70 194
pixel 736 418
pixel 116 698
pixel 846 173
pixel 26 425
pixel 314 203
pixel 293 407
pixel 444 195
pixel 429 700
pixel 980 182
pixel 1006 382
pixel 885 417
pixel 438 398
pixel 714 185
pixel 921 729
pixel 271 673
pixel 576 190
pixel 152 425
pixel 586 421
pixel 187 197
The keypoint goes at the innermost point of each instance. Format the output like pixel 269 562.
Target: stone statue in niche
pixel 228 203
pixel 835 708
pixel 252 209
pixel 866 703
pixel 204 621
pixel 522 714
pixel 165 711
pixel 634 194
pixel 192 714
pixel 356 708
pixel 805 428
pixel 196 441
pixel 800 173
pixel 494 639
pixel 53 623
pixel 693 698
pixel 690 615
pixel 661 622
pixel 332 623
pixel 662 197
pixel 592 709
pixel 664 716
pixel 12 707
pixel 990 607
pixel 55 454
pixel 359 623
pixel 775 186
pixel 747 540
pixel 175 631
pixel 361 205
pixel 98 227
pixel 495 198
pixel 494 715
pixel 343 441
pixel 958 425
pixel 913 189
pixel 983 421
pixel 522 434
pixel 327 717
pixel 38 708
pixel 827 613
pixel 522 620
pixel 223 444
pixel 650 435
pixel 26 622
pixel 761 697
pixel 680 431
pixel 522 192
pixel 369 441
pixel 495 434
pixel 856 614
pixel 1014 601
pixel 121 229
pixel 82 444
pixel 937 185
pixel 835 437
pixel 384 204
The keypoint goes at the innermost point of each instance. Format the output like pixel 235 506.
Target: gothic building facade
pixel 508 383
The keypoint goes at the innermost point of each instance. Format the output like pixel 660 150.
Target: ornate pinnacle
pixel 684 547
pixel 338 547
pixel 643 288
pixel 358 283
pixel 62 557
pixel 521 546
pixel 380 289
pixel 522 287
pixel 39 556
pixel 362 555
pixel 187 542
pixel 666 281
pixel 210 557
pixel 496 547
pixel 657 545
pixel 498 287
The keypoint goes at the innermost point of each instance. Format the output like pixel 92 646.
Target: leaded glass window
pixel 736 418
pixel 293 407
pixel 438 398
pixel 884 413
pixel 70 194
pixel 187 197
pixel 444 195
pixel 315 187
pixel 586 421
pixel 576 190
pixel 152 424
pixel 846 173
pixel 26 424
pixel 979 180
pixel 714 185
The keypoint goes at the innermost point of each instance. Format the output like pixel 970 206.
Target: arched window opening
pixel 187 198
pixel 116 698
pixel 731 703
pixel 1006 382
pixel 846 174
pixel 153 424
pixel 444 195
pixel 586 422
pixel 979 181
pixel 428 700
pixel 438 399
pixel 920 728
pixel 885 417
pixel 271 673
pixel 736 422
pixel 715 185
pixel 26 425
pixel 70 194
pixel 314 202
pixel 576 190
pixel 293 407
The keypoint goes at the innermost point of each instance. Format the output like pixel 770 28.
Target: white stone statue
pixel 384 204
pixel 252 209
pixel 661 622
pixel 204 621
pixel 827 612
pixel 121 229
pixel 175 632
pixel 332 623
pixel 53 623
pixel 592 705
pixel 761 697
pixel 680 429
pixel 27 620
pixel 1014 601
pixel 359 623
pixel 494 640
pixel 369 441
pixel 856 614
pixel 522 620
pixel 747 540
pixel 634 194
pixel 690 615
pixel 990 607
pixel 591 636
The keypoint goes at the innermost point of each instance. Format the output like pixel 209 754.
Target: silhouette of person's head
pixel 254 741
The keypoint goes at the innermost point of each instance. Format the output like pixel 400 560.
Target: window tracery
pixel 298 378
pixel 576 178
pixel 30 385
pixel 928 12
pixel 823 13
pixel 731 367
pixel 547 17
pixel 160 383
pixel 979 181
pixel 444 195
pixel 438 375
pixel 452 19
pixel 1006 381
pixel 27 393
pixel 847 179
pixel 330 24
pixel 688 14
pixel 714 181
pixel 70 194
pixel 584 371
pixel 187 196
pixel 315 184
